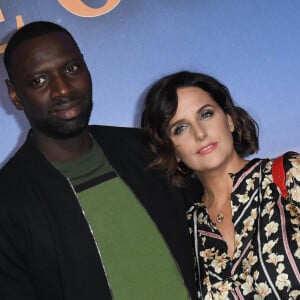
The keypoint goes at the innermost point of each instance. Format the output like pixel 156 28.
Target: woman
pixel 246 235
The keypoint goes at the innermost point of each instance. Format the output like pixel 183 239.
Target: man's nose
pixel 60 86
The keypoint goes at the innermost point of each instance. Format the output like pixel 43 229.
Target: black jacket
pixel 47 251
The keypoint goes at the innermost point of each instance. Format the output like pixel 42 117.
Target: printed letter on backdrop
pixel 77 7
pixel 19 21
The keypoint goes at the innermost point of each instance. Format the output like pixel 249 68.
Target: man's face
pixel 52 84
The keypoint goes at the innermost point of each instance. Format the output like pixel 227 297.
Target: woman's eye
pixel 38 81
pixel 179 129
pixel 206 114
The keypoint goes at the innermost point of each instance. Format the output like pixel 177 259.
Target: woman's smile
pixel 207 149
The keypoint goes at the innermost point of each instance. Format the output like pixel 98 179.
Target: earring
pixel 182 168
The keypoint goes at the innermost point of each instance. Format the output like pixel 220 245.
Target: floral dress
pixel 266 261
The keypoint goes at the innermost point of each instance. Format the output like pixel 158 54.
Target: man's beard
pixel 60 129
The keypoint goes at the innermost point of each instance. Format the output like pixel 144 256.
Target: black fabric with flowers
pixel 266 261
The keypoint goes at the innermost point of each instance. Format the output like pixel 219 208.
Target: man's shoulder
pixel 12 166
pixel 16 165
pixel 117 134
pixel 129 140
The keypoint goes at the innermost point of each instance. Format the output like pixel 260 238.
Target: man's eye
pixel 71 69
pixel 206 114
pixel 38 81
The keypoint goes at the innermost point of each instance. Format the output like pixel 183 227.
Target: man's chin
pixel 69 133
pixel 64 132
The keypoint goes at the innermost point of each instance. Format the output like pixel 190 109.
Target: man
pixel 81 215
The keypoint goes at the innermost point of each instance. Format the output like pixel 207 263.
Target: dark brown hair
pixel 161 105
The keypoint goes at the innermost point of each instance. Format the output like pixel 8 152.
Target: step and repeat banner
pixel 252 46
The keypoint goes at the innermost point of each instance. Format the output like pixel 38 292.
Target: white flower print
pixel 293 210
pixel 219 263
pixel 268 193
pixel 263 290
pixel 267 248
pixel 248 223
pixel 295 294
pixel 295 170
pixel 297 253
pixel 251 258
pixel 266 182
pixel 223 286
pixel 274 259
pixel 208 254
pixel 234 208
pixel 296 236
pixel 247 286
pixel 295 193
pixel 268 209
pixel 243 198
pixel 250 184
pixel 271 227
pixel 255 275
pixel 282 281
pixel 257 217
pixel 280 268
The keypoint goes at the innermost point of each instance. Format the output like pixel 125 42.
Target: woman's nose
pixel 199 131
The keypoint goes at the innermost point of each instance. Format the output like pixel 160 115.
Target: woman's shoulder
pixel 286 174
pixel 292 159
pixel 288 163
pixel 291 163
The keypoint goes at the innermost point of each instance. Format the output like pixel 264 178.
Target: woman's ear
pixel 230 123
pixel 13 95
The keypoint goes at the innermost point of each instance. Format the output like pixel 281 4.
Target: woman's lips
pixel 207 149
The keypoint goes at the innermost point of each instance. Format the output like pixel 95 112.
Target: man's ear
pixel 13 95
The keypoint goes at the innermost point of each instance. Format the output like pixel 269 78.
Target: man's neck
pixel 63 149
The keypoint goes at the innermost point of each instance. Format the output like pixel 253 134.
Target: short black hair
pixel 27 32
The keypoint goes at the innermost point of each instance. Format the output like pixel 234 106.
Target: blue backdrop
pixel 252 46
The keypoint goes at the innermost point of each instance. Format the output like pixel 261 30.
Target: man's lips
pixel 207 149
pixel 67 111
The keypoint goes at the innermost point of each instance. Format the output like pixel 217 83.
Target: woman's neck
pixel 217 184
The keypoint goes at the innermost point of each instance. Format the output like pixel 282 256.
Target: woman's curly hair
pixel 161 105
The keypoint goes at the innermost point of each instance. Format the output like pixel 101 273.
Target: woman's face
pixel 201 131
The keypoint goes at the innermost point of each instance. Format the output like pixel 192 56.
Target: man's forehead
pixel 42 52
pixel 47 40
